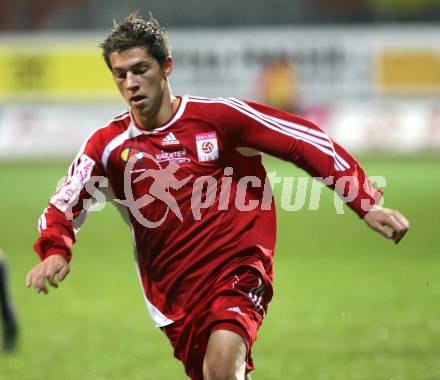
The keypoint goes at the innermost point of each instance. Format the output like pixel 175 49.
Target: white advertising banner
pixel 50 129
pixel 59 130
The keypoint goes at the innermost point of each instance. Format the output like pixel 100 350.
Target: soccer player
pixel 201 215
pixel 6 308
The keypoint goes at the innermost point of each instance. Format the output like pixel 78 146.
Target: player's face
pixel 140 79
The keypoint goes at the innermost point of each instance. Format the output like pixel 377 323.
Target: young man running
pixel 201 215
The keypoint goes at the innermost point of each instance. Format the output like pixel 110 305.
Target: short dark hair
pixel 133 32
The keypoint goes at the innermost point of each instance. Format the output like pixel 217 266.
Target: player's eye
pixel 120 74
pixel 140 70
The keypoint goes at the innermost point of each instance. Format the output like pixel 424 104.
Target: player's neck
pixel 165 109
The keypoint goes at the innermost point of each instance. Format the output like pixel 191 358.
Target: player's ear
pixel 168 66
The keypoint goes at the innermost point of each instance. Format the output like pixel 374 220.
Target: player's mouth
pixel 137 99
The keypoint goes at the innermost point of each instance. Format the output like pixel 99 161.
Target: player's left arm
pixel 301 142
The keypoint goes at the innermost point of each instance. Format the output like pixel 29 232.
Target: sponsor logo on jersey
pixel 207 146
pixel 176 157
pixel 235 309
pixel 170 139
pixel 132 153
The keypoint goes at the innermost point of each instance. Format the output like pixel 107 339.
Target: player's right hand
pixel 52 270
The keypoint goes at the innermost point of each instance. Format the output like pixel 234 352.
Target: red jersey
pixel 197 207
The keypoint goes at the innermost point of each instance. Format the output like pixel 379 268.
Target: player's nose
pixel 131 82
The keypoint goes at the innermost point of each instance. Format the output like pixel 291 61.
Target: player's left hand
pixel 390 223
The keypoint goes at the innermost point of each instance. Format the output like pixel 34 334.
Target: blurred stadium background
pixel 349 305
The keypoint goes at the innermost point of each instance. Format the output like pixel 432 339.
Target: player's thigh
pixel 225 356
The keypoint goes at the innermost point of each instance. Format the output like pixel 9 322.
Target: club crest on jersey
pixel 207 146
pixel 132 153
pixel 170 139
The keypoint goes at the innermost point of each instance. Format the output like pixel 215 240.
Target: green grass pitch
pixel 348 305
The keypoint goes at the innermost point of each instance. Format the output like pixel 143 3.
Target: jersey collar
pixel 177 114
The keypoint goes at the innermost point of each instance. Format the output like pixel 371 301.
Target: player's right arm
pixel 52 269
pixel 61 220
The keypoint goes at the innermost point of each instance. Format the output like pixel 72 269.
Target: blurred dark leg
pixel 7 311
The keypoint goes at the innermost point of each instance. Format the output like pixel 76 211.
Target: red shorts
pixel 238 303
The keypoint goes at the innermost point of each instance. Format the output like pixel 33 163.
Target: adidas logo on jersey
pixel 170 139
pixel 235 310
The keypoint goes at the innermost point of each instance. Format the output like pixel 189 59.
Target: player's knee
pixel 225 357
pixel 217 370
